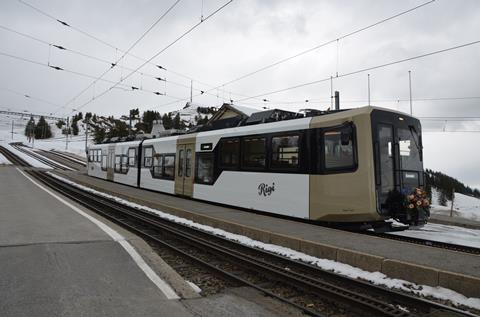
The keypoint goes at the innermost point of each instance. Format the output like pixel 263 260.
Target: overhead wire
pixel 188 31
pixel 156 77
pixel 125 53
pixel 361 70
pixel 125 87
pixel 29 96
pixel 316 47
pixel 167 69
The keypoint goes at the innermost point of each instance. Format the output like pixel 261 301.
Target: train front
pixel 399 176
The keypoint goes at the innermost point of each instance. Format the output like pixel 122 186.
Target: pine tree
pixel 177 122
pixel 30 128
pixel 60 123
pixel 42 129
pixel 74 126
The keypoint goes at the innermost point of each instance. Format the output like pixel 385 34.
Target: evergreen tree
pixel 177 122
pixel 74 126
pixel 30 128
pixel 167 121
pixel 148 118
pixel 98 134
pixel 60 123
pixel 42 129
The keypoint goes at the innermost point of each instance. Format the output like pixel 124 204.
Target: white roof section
pixel 246 110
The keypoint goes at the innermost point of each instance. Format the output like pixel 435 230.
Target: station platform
pixel 396 259
pixel 56 262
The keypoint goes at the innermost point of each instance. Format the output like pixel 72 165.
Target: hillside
pixel 464 206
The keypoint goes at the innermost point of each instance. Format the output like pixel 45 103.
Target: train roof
pixel 287 124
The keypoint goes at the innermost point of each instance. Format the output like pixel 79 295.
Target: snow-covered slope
pixel 190 112
pixel 76 144
pixel 463 206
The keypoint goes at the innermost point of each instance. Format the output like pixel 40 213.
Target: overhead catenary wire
pixel 125 87
pixel 110 63
pixel 336 40
pixel 29 96
pixel 188 31
pixel 316 47
pixel 362 70
pixel 70 26
pixel 125 53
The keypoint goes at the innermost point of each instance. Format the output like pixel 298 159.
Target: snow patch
pixel 195 287
pixel 463 206
pixel 4 161
pixel 376 278
pixel 27 158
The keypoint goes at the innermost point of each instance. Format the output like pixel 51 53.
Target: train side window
pixel 132 153
pixel 157 166
pixel 124 165
pixel 148 157
pixel 229 153
pixel 188 163
pixel 339 149
pixel 94 158
pixel 99 156
pixel 104 162
pixel 118 163
pixel 254 152
pixel 204 171
pixel 169 166
pixel 285 152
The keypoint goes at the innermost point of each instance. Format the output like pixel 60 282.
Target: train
pixel 357 168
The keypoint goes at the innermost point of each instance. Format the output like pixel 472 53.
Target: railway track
pixel 64 159
pixel 42 159
pixel 70 157
pixel 298 284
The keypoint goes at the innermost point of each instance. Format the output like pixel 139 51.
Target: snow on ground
pixel 76 144
pixel 195 287
pixel 444 233
pixel 330 265
pixel 3 160
pixel 463 206
pixel 27 158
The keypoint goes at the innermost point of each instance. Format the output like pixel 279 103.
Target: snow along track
pixel 41 158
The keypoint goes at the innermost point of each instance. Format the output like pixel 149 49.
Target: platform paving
pixel 55 262
pixel 394 258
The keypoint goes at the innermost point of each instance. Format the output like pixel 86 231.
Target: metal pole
pixel 86 138
pixel 66 135
pixel 12 129
pixel 453 198
pixel 331 92
pixel 410 85
pixel 369 89
pixel 191 91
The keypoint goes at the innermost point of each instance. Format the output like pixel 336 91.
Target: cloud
pixel 243 37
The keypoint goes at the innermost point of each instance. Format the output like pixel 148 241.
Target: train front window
pixel 409 144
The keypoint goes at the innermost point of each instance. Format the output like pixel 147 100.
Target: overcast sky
pixel 244 36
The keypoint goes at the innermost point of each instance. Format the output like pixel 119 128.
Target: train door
pixel 110 163
pixel 185 168
pixel 386 157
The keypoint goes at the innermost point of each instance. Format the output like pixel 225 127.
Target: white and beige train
pixel 338 168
